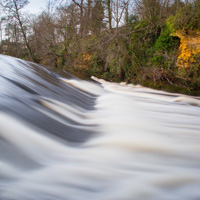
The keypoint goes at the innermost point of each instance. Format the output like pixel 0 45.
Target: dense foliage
pixel 138 41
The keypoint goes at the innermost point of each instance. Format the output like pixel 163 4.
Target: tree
pixel 13 7
pixel 80 6
pixel 119 8
pixel 44 38
pixel 109 12
pixel 97 17
pixel 1 22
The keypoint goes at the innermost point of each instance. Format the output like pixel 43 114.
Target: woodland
pixel 155 43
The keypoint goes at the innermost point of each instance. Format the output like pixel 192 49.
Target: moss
pixel 166 41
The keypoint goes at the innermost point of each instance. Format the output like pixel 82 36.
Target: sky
pixel 35 6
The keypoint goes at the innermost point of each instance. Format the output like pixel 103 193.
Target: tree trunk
pixel 81 15
pixel 109 14
pixel 23 33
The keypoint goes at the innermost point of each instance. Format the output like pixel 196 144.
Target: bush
pixel 166 41
pixel 187 17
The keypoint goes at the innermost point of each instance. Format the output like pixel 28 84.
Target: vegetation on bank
pixel 155 43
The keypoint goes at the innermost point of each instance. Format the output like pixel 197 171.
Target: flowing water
pixel 62 138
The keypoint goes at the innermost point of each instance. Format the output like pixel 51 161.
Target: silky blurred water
pixel 62 138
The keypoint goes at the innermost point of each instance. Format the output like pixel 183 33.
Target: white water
pixel 143 144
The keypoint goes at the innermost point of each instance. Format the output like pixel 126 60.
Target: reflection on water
pixel 62 138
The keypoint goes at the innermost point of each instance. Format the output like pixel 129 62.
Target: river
pixel 62 138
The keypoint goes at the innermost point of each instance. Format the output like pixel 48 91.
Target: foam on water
pixel 76 139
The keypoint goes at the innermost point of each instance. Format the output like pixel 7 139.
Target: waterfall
pixel 62 138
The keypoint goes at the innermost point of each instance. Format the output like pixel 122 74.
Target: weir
pixel 62 138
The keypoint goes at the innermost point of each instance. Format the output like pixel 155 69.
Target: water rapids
pixel 62 138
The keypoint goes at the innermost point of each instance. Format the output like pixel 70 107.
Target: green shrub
pixel 166 41
pixel 187 17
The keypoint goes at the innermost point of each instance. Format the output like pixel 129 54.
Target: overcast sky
pixel 35 6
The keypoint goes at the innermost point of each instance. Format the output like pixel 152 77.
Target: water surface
pixel 62 138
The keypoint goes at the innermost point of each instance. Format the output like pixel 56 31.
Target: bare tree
pixel 119 9
pixel 108 6
pixel 13 8
pixel 1 22
pixel 81 7
pixel 153 11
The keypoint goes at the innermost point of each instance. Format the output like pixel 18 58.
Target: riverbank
pixel 165 85
pixel 156 44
